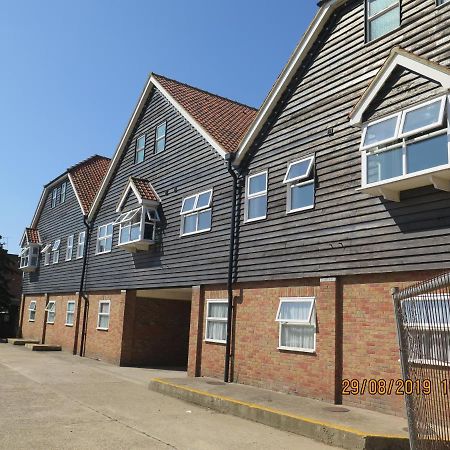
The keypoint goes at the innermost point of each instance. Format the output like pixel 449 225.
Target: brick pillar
pixel 329 338
pixel 129 313
pixel 196 332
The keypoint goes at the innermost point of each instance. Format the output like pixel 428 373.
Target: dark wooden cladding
pixel 187 165
pixel 347 232
pixel 55 223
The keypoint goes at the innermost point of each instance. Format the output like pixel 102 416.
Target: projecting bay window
pixel 216 321
pixel 55 251
pixel 29 258
pixel 137 228
pixel 382 16
pixel 196 213
pixel 297 322
pixel 300 185
pixel 256 197
pixel 406 150
pixel 104 238
pixel 46 252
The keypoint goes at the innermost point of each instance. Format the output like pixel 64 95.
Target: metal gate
pixel 423 320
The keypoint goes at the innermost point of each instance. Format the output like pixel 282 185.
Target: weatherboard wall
pixel 188 165
pixel 347 232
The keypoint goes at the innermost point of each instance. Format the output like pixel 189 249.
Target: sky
pixel 71 73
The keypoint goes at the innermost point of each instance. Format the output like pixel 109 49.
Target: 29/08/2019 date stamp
pixel 396 387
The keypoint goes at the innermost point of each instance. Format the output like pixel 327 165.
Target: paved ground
pixel 58 401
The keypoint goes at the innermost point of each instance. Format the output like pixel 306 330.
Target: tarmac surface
pixel 60 401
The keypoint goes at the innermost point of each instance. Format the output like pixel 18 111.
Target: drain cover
pixel 216 383
pixel 336 409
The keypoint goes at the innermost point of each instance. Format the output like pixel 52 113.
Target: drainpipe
pixel 229 157
pixel 82 294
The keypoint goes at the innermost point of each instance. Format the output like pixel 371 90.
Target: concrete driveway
pixel 60 401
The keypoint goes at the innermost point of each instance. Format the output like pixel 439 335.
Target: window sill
pixel 102 253
pixel 439 177
pixel 256 219
pixel 68 324
pixel 195 232
pixel 378 39
pixel 305 208
pixel 50 323
pixel 297 350
pixel 215 341
pixel 29 320
pixel 102 329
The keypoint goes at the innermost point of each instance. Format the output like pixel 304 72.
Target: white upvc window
pixel 24 257
pixel 407 144
pixel 160 137
pixel 55 250
pixel 69 248
pixel 196 213
pixel 383 16
pixel 63 192
pixel 104 307
pixel 297 321
pixel 70 313
pixel 300 185
pixel 80 244
pixel 29 258
pixel 104 238
pixel 140 149
pixel 46 252
pixel 32 311
pixel 137 225
pixel 256 197
pixel 441 2
pixel 51 311
pixel 54 197
pixel 216 321
pixel 426 319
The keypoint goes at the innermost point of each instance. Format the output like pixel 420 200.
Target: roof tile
pixel 145 189
pixel 32 236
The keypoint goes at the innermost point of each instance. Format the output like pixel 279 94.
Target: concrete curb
pixel 15 341
pixel 327 433
pixel 43 348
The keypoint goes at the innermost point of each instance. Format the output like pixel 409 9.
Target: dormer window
pixel 29 258
pixel 59 194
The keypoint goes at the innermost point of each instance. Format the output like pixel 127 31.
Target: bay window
pixel 300 185
pixel 196 213
pixel 29 257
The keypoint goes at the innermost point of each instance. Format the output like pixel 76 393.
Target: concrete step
pixel 15 341
pixel 356 429
pixel 43 347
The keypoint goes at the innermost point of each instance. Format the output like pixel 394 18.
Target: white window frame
pixel 68 324
pixel 56 250
pixel 125 221
pixel 51 310
pixel 195 211
pixel 81 244
pixel 297 182
pixel 214 319
pixel 24 257
pixel 32 309
pixel 441 2
pixel 249 197
pixel 384 141
pixel 105 238
pixel 69 247
pixel 140 150
pixel 310 322
pixel 46 252
pixel 62 196
pixel 54 200
pixel 384 11
pixel 163 137
pixel 99 314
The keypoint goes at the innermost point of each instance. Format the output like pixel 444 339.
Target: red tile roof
pixel 145 189
pixel 87 176
pixel 225 120
pixel 32 236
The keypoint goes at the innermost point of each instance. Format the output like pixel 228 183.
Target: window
pixel 409 142
pixel 63 192
pixel 69 248
pixel 300 185
pixel 46 252
pixel 137 225
pixel 140 150
pixel 160 138
pixel 426 319
pixel 80 245
pixel 70 313
pixel 54 197
pixel 32 311
pixel 256 197
pixel 55 251
pixel 441 2
pixel 104 238
pixel 59 194
pixel 297 319
pixel 383 16
pixel 216 321
pixel 103 315
pixel 196 213
pixel 29 257
pixel 50 308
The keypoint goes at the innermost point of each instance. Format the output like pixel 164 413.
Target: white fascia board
pixel 190 119
pixel 399 58
pixel 286 75
pixel 76 194
pixel 132 187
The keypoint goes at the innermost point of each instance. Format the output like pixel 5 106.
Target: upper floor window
pixel 441 2
pixel 406 145
pixel 63 192
pixel 29 258
pixel 69 248
pixel 104 238
pixel 80 245
pixel 300 184
pixel 196 213
pixel 140 149
pixel 383 16
pixel 46 252
pixel 55 251
pixel 160 138
pixel 54 197
pixel 59 194
pixel 256 197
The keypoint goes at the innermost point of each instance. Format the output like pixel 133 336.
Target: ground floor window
pixel 32 311
pixel 103 314
pixel 70 312
pixel 297 319
pixel 51 310
pixel 216 321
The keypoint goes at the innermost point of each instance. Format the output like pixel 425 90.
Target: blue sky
pixel 72 71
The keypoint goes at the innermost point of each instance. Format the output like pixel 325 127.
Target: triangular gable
pixel 142 190
pixel 399 58
pixel 30 236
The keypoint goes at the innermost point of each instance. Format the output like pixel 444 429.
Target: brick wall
pixel 33 330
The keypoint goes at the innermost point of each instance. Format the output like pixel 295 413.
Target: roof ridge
pixel 206 92
pixel 84 161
